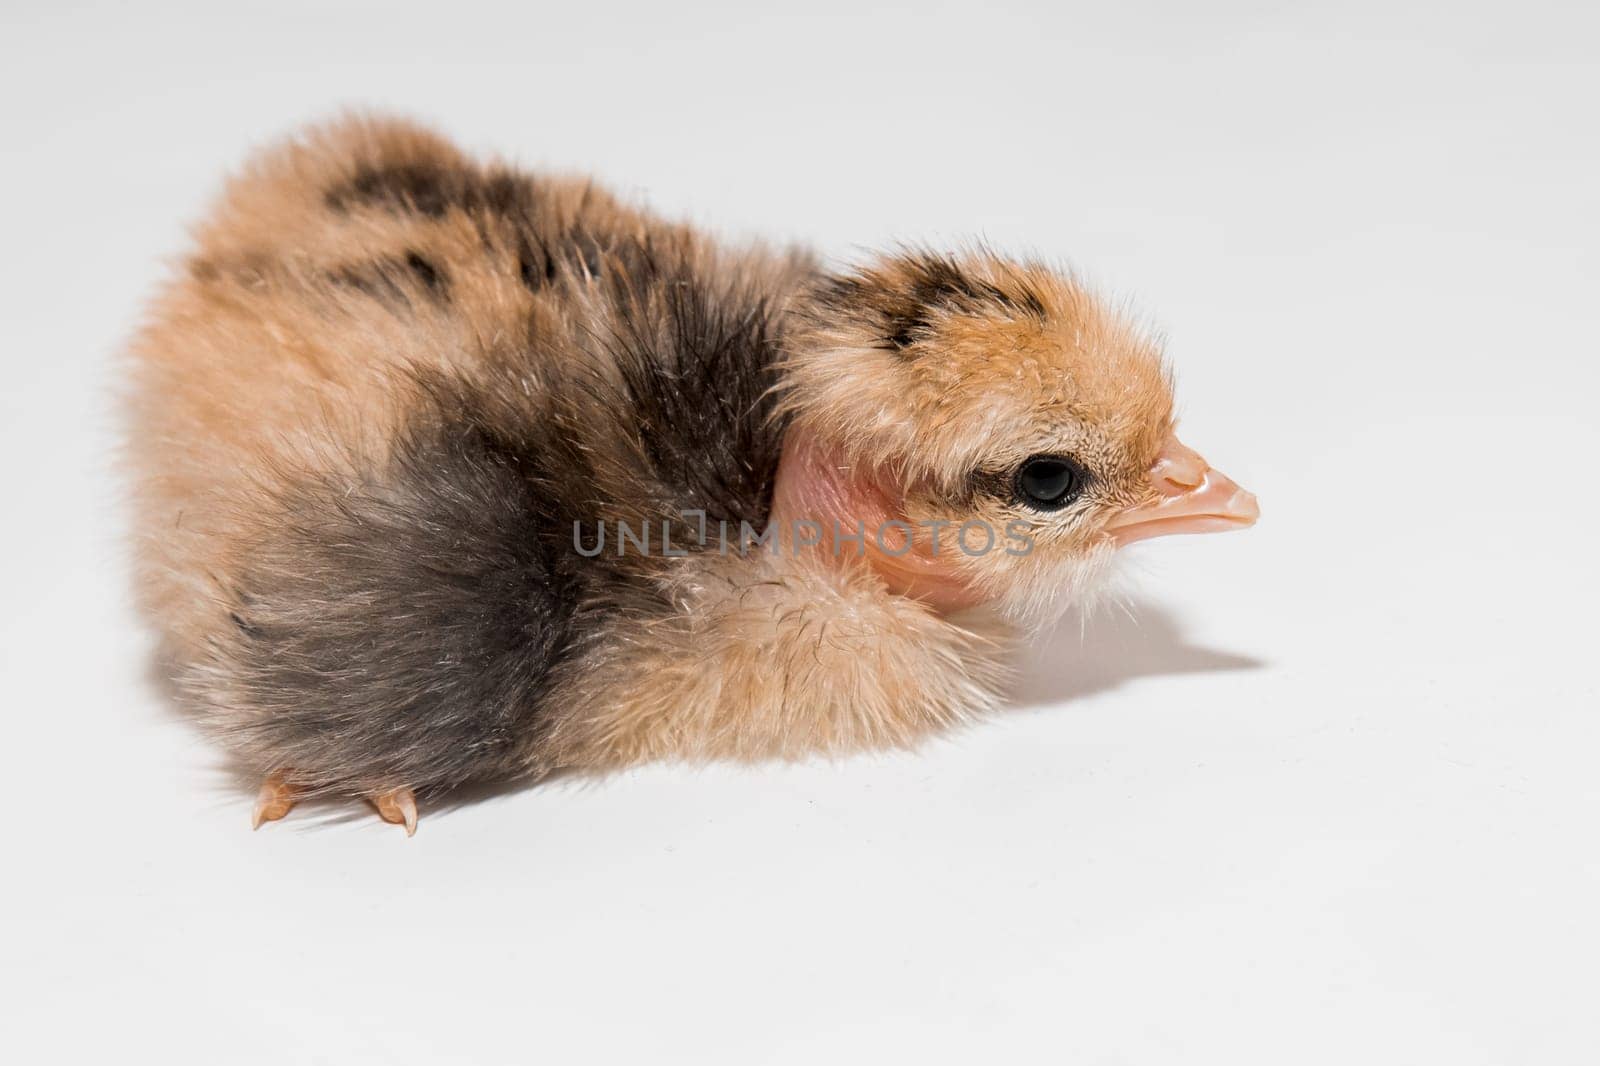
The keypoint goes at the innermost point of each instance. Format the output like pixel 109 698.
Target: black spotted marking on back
pixel 422 268
pixel 394 280
pixel 432 189
pixel 535 268
pixel 501 192
pixel 578 251
pixel 424 188
pixel 501 204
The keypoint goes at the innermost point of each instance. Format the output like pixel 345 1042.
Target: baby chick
pixel 447 472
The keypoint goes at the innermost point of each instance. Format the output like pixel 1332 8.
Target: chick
pixel 446 472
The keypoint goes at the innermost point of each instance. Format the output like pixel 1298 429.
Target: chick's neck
pixel 822 498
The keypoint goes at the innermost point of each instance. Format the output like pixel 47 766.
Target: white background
pixel 1325 794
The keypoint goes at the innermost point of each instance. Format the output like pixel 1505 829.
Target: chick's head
pixel 995 430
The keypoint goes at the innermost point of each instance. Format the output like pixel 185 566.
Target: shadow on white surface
pixel 1079 658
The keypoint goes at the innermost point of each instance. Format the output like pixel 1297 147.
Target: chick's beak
pixel 1190 498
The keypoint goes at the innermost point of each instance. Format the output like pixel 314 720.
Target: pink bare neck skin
pixel 817 484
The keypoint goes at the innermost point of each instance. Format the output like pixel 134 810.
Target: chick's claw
pixel 399 807
pixel 275 800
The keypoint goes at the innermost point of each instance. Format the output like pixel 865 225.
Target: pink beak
pixel 1190 498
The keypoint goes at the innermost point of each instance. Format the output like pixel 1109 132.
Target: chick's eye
pixel 1048 482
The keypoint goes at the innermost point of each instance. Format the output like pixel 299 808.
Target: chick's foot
pixel 275 800
pixel 399 807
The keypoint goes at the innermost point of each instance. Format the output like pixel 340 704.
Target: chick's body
pixel 380 419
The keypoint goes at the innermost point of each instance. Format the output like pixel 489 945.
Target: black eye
pixel 1048 482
